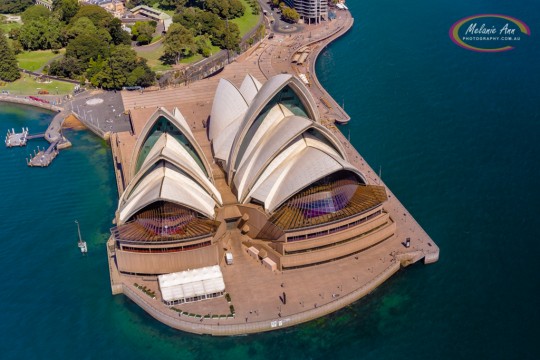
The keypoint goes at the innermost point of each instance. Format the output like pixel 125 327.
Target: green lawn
pixel 153 58
pixel 33 60
pixel 28 86
pixel 247 21
pixel 154 55
pixel 7 27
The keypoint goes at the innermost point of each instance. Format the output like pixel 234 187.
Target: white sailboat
pixel 81 244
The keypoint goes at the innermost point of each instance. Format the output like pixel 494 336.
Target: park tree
pixel 201 42
pixel 35 13
pixel 41 34
pixel 14 6
pixel 122 68
pixel 178 43
pixel 226 36
pixel 9 70
pixel 142 32
pixel 289 14
pixel 118 35
pixel 80 26
pixel 231 37
pixel 87 46
pixel 172 4
pixel 66 9
pixel 141 76
pixel 68 67
pixel 197 20
pixel 226 9
pixel 237 9
pixel 99 16
pixel 17 47
pixel 14 33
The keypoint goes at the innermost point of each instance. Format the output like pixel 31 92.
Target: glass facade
pixel 161 126
pixel 163 221
pixel 326 196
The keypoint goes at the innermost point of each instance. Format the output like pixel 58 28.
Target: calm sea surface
pixel 457 136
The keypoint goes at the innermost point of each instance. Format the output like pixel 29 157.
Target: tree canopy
pixel 66 9
pixel 142 32
pixel 222 33
pixel 14 6
pixel 9 70
pixel 123 68
pixel 226 9
pixel 87 46
pixel 172 4
pixel 41 34
pixel 99 16
pixel 178 43
pixel 289 14
pixel 36 12
pixel 80 26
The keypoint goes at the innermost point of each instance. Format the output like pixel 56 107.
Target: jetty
pixel 44 157
pixel 16 139
pixel 20 139
pixel 53 134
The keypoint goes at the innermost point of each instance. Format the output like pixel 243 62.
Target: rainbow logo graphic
pixel 488 32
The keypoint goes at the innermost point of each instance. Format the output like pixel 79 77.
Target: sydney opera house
pixel 277 177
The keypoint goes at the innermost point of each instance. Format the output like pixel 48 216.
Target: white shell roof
pixel 179 121
pixel 229 105
pixel 263 97
pixel 165 183
pixel 250 87
pixel 223 142
pixel 169 149
pixel 273 118
pixel 299 171
pixel 280 157
pixel 256 161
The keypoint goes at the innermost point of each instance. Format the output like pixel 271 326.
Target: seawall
pixel 27 101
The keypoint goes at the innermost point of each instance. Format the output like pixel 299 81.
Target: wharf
pixel 16 139
pixel 311 292
pixel 44 157
pixel 53 134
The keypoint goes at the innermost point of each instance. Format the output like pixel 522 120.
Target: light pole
pixel 227 39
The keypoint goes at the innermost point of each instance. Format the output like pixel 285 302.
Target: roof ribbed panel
pixel 282 134
pixel 167 148
pixel 250 87
pixel 165 183
pixel 229 105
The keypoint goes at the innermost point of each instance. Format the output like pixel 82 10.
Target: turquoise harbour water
pixel 456 135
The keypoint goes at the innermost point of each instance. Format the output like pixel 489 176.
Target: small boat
pixel 81 244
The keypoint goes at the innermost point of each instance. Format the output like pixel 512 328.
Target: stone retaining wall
pixel 176 321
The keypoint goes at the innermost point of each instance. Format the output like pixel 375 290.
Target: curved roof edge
pixel 169 150
pixel 250 87
pixel 166 184
pixel 179 121
pixel 267 92
pixel 229 104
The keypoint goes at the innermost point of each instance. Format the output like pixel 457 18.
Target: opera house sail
pixel 306 203
pixel 169 206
